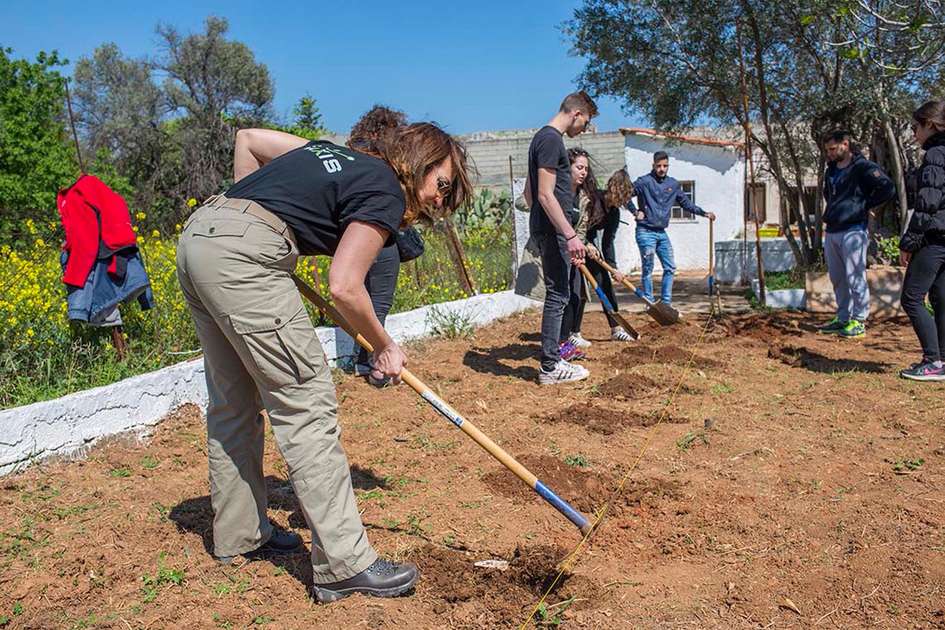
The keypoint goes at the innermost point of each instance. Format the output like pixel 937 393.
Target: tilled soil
pixel 781 479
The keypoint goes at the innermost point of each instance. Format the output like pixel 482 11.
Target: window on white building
pixel 677 213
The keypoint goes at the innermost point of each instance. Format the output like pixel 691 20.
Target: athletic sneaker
pixel 579 341
pixel 833 327
pixel 853 329
pixel 569 352
pixel 563 372
pixel 924 371
pixel 619 334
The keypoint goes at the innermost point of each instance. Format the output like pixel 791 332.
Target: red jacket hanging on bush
pixel 96 222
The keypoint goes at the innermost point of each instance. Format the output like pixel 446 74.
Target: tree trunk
pixel 899 175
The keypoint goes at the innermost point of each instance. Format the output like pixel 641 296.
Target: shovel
pixel 467 427
pixel 664 314
pixel 608 307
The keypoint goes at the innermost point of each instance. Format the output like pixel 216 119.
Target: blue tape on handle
pixel 443 408
pixel 561 505
pixel 603 299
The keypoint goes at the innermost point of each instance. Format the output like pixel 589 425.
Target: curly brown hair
pixel 619 189
pixel 412 151
pixel 374 123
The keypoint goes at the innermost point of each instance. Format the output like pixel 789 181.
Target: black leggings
pixel 380 282
pixel 926 276
pixel 574 310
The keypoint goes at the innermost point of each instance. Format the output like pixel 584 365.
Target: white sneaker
pixel 563 372
pixel 579 341
pixel 619 334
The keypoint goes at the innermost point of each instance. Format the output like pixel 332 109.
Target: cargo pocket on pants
pixel 284 350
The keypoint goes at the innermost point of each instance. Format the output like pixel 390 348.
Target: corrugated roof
pixel 713 142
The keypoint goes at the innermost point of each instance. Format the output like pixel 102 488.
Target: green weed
pixel 578 461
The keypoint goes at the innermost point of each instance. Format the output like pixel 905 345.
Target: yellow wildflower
pixel 140 216
pixel 191 202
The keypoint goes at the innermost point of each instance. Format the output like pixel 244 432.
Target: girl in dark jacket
pixel 604 219
pixel 923 246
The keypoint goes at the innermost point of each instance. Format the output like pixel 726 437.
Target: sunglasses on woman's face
pixel 443 186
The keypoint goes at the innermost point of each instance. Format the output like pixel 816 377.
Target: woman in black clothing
pixel 603 220
pixel 923 246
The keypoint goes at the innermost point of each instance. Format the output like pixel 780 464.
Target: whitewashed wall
pixel 69 426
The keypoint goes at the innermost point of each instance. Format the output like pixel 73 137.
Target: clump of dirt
pixel 585 490
pixel 767 328
pixel 627 386
pixel 452 578
pixel 606 421
pixel 669 354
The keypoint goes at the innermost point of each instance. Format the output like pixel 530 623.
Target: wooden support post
pixel 459 257
pixel 118 341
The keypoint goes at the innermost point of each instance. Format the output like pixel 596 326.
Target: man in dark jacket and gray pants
pixel 852 186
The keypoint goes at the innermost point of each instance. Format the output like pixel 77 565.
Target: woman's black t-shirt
pixel 320 188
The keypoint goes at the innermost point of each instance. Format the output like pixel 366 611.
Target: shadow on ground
pixel 815 362
pixel 490 360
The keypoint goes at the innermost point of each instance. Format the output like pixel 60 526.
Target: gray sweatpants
pixel 845 253
pixel 261 351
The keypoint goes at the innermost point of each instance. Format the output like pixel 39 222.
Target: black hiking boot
pixel 281 542
pixel 382 579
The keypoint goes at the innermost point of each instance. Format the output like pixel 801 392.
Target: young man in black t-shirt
pixel 548 193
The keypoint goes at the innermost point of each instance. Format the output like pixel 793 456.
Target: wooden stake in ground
pixel 459 257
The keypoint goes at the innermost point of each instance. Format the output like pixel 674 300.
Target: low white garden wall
pixel 68 426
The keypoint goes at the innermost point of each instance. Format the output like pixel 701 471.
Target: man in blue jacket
pixel 852 186
pixel 657 193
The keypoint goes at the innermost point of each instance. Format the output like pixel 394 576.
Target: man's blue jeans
pixel 655 243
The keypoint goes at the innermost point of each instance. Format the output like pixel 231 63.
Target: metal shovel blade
pixel 664 314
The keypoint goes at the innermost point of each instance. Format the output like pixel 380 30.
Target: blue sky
pixel 470 66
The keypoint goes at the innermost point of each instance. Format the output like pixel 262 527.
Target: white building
pixel 711 172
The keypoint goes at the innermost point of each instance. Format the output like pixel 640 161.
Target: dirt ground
pixel 789 480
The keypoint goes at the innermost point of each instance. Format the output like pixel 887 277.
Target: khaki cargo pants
pixel 261 351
